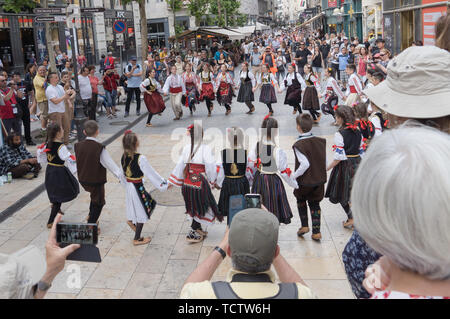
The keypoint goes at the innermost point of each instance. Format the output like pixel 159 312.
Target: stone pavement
pixel 159 269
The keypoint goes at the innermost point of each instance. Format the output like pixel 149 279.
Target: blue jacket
pixel 343 61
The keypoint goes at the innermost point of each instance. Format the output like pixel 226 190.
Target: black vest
pixel 52 155
pixel 352 141
pixel 130 166
pixel 234 162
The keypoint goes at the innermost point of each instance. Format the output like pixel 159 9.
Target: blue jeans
pixel 111 98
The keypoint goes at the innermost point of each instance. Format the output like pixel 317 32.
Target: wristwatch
pixel 43 286
pixel 221 251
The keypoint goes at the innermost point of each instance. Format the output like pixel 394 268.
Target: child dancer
pixel 60 183
pixel 311 98
pixel 207 87
pixel 294 83
pixel 175 86
pixel 152 96
pixel 266 160
pixel 311 175
pixel 348 147
pixel 354 86
pixel 364 125
pixel 267 83
pixel 377 120
pixel 190 83
pixel 232 170
pixel 92 161
pixel 194 171
pixel 332 93
pixel 246 84
pixel 224 88
pixel 140 204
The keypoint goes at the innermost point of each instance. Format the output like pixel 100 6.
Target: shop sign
pixel 332 3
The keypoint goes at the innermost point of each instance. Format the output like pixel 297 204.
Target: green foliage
pixel 179 29
pixel 198 8
pixel 175 5
pixel 230 7
pixel 18 6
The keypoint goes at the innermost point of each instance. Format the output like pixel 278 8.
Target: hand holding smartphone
pixel 86 235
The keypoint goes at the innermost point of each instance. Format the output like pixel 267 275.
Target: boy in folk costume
pixel 354 86
pixel 140 205
pixel 294 85
pixel 311 175
pixel 224 88
pixel 174 86
pixel 207 87
pixel 194 171
pixel 92 161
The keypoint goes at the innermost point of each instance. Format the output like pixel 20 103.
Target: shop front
pixel 17 41
pixel 372 18
pixel 430 15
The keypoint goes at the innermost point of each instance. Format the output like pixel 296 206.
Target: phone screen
pixel 253 200
pixel 76 233
pixel 236 204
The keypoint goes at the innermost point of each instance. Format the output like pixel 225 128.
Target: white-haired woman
pixel 404 213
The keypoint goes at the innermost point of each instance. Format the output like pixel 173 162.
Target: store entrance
pixel 407 25
pixel 5 49
pixel 28 47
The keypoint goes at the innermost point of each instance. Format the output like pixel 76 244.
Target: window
pixel 155 27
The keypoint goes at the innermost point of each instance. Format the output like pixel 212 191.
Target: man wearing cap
pixel 379 46
pixel 251 242
pixel 26 274
pixel 133 73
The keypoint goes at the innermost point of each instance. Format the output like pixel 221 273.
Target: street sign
pixel 119 26
pixel 55 10
pixel 92 10
pixel 50 19
pixel 119 39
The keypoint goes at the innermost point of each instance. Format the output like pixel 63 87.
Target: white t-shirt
pixel 85 87
pixel 55 92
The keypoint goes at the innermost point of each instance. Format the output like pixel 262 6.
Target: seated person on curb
pixel 26 274
pixel 251 242
pixel 15 158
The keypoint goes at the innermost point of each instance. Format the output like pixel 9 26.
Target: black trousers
pixel 26 120
pixel 208 104
pixel 93 107
pixel 137 93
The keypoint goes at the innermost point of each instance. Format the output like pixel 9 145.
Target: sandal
pixel 302 231
pixel 194 237
pixel 202 232
pixel 132 226
pixel 142 241
pixel 348 224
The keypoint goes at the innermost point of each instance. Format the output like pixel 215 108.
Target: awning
pixel 208 32
pixel 260 26
pixel 231 34
pixel 312 19
pixel 246 30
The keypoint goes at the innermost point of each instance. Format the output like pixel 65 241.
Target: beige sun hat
pixel 417 84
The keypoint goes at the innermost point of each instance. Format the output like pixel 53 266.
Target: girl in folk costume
pixel 190 80
pixel 140 205
pixel 207 87
pixel 267 83
pixel 231 178
pixel 348 148
pixel 293 83
pixel 378 120
pixel 224 88
pixel 152 96
pixel 354 85
pixel 175 87
pixel 364 125
pixel 311 98
pixel 60 182
pixel 266 161
pixel 194 171
pixel 246 84
pixel 332 93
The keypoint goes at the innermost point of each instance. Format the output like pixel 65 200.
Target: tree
pixel 175 5
pixel 198 8
pixel 18 6
pixel 144 32
pixel 224 9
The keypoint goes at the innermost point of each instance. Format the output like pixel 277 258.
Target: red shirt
pixel 6 111
pixel 94 83
pixel 110 82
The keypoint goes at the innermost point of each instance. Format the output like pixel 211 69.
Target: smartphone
pixel 236 204
pixel 77 233
pixel 252 201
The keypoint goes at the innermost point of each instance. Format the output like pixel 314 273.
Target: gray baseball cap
pixel 254 233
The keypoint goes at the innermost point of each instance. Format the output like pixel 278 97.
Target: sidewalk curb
pixel 29 197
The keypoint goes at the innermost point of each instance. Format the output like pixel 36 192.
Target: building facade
pixel 344 16
pixel 372 11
